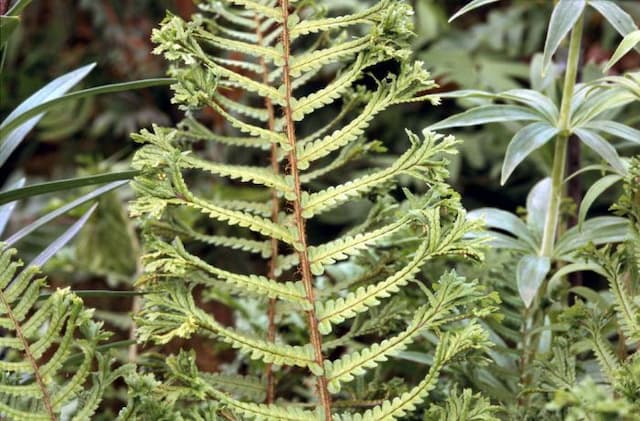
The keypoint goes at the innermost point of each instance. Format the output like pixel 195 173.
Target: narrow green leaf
pixel 71 183
pixel 618 18
pixel 8 24
pixel 26 115
pixel 470 6
pixel 598 230
pixel 534 100
pixel 7 209
pixel 603 148
pixel 530 274
pixel 505 221
pixel 488 114
pixel 628 42
pixel 616 129
pixel 538 204
pixel 61 211
pixel 18 7
pixel 525 141
pixel 52 90
pixel 61 241
pixel 564 16
pixel 593 193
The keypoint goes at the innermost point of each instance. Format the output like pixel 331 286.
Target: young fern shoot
pixel 263 91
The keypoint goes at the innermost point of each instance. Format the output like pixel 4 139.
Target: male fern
pixel 252 63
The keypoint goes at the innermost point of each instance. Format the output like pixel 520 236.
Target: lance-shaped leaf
pixel 628 43
pixel 530 275
pixel 593 193
pixel 525 141
pixel 488 114
pixel 603 148
pixel 565 14
pixel 598 230
pixel 474 4
pixel 618 18
pixel 616 129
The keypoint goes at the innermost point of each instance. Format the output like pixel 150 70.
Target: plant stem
pixel 275 211
pixel 560 152
pixel 303 252
pixel 552 220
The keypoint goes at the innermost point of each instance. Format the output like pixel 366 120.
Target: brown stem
pixel 4 6
pixel 305 267
pixel 46 399
pixel 275 211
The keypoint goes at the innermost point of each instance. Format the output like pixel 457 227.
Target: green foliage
pixel 266 97
pixel 58 327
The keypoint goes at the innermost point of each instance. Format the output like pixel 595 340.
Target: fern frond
pixel 392 90
pixel 58 327
pixel 172 313
pixel 451 293
pixel 192 129
pixel 263 248
pixel 417 161
pixel 274 13
pixel 174 260
pixel 369 16
pixel 344 247
pixel 436 243
pixel 464 407
pixel 269 53
pixel 449 346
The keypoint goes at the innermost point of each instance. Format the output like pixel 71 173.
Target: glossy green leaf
pixel 525 141
pixel 470 6
pixel 530 275
pixel 564 16
pixel 71 183
pixel 603 148
pixel 534 100
pixel 488 114
pixel 593 193
pixel 628 43
pixel 54 89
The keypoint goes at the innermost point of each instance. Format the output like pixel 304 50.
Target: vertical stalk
pixel 557 191
pixel 275 211
pixel 560 152
pixel 305 267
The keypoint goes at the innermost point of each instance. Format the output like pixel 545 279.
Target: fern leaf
pixel 263 10
pixel 219 8
pixel 451 294
pixel 269 53
pixel 262 248
pixel 263 412
pixel 259 114
pixel 449 346
pixel 257 175
pixel 317 59
pixel 174 260
pixel 344 247
pixel 311 26
pixel 173 313
pixel 391 91
pixel 416 161
pixel 192 129
pixel 331 92
pixel 58 327
pixel 436 243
